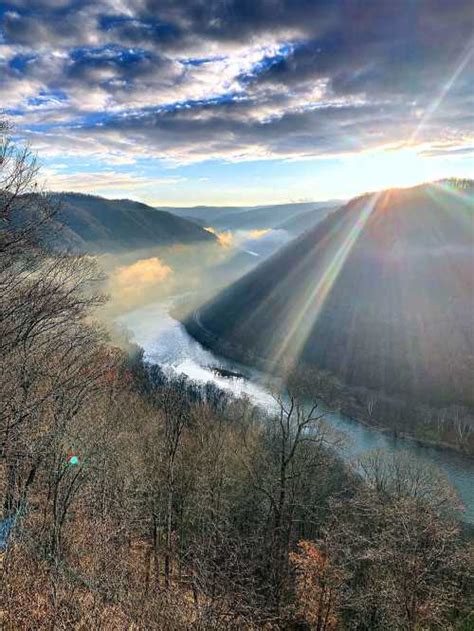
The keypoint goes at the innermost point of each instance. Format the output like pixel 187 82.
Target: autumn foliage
pixel 316 585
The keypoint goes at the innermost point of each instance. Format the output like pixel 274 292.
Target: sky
pixel 240 102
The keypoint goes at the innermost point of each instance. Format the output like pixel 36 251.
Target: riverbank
pixel 448 428
pixel 166 342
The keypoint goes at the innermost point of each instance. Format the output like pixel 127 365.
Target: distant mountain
pixel 305 220
pixel 381 293
pixel 250 217
pixel 96 224
pixel 204 215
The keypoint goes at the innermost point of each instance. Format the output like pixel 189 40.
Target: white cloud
pixel 107 183
pixel 129 92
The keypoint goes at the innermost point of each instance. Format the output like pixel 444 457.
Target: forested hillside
pixel 134 499
pixel 379 295
pixel 88 223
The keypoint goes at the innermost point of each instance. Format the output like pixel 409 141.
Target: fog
pixel 137 278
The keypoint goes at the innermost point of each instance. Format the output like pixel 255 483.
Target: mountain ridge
pixel 394 282
pixel 248 217
pixel 95 224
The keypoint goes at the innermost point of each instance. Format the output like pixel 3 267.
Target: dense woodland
pixel 88 223
pixel 378 297
pixel 446 425
pixel 135 500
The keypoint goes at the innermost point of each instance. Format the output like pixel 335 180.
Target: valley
pixel 167 343
pixel 375 296
pixel 236 315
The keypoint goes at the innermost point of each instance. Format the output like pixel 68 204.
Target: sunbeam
pixel 460 66
pixel 443 193
pixel 455 189
pixel 307 312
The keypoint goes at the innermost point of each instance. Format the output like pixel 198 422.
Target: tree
pixel 297 446
pixel 45 342
pixel 398 542
pixel 316 586
pixel 174 409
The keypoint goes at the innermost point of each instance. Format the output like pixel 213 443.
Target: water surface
pixel 166 342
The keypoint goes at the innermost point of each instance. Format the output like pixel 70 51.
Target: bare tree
pixel 398 543
pixel 175 411
pixel 296 440
pixel 44 338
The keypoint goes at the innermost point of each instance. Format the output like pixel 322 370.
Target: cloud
pixel 130 285
pixel 143 272
pixel 236 80
pixel 103 182
pixel 225 238
pixel 258 234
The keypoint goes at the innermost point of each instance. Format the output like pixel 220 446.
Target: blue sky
pixel 240 101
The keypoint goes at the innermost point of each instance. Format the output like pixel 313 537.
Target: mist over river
pixel 166 342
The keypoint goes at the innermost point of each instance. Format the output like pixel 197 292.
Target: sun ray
pixel 307 313
pixel 443 193
pixel 466 56
pixel 449 189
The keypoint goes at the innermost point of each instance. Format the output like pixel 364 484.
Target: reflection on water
pixel 166 342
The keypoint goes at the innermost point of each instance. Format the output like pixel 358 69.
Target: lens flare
pixel 465 58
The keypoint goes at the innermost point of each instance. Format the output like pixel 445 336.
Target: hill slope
pixel 380 293
pixel 305 220
pixel 91 223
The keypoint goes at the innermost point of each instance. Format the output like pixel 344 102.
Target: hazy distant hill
pixel 305 220
pixel 380 293
pixel 203 214
pixel 91 223
pixel 248 218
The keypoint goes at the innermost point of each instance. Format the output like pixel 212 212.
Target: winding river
pixel 166 342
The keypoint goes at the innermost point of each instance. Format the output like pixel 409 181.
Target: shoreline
pixel 194 327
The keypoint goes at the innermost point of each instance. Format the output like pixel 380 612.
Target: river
pixel 166 342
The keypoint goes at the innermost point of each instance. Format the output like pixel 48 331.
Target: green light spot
pixel 74 460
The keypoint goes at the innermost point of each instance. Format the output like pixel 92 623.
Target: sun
pixel 388 168
pixel 404 167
